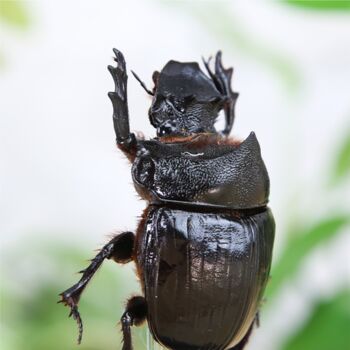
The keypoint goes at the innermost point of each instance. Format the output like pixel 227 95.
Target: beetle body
pixel 203 248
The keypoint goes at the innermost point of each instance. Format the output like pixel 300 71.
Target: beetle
pixel 203 247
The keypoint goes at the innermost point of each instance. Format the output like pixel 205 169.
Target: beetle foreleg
pixel 120 249
pixel 134 315
pixel 119 99
pixel 224 76
pixel 222 80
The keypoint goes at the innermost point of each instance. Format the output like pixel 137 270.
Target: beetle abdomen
pixel 203 274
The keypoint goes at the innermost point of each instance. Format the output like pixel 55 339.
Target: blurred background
pixel 65 187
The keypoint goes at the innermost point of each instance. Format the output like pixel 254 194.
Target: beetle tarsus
pixel 69 301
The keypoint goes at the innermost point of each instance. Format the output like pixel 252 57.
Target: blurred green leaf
pixel 321 4
pixel 299 246
pixel 14 13
pixel 327 328
pixel 342 164
pixel 228 28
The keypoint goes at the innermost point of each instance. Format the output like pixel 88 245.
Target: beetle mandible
pixel 203 247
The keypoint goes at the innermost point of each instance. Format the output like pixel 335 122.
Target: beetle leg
pixel 120 249
pixel 125 139
pixel 222 80
pixel 224 77
pixel 134 315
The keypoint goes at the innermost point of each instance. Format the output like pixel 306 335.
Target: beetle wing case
pixel 203 274
pixel 195 172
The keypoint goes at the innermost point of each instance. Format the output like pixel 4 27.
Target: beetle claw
pixel 69 301
pixel 119 58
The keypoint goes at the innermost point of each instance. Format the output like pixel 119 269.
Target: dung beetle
pixel 203 246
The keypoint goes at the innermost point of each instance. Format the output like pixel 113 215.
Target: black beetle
pixel 204 244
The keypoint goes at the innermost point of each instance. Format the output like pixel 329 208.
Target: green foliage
pixel 327 328
pixel 299 246
pixel 14 13
pixel 341 169
pixel 321 4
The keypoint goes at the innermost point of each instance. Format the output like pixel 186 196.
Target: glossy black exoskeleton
pixel 203 247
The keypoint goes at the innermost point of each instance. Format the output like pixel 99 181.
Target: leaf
pixel 321 4
pixel 299 246
pixel 327 328
pixel 342 164
pixel 14 13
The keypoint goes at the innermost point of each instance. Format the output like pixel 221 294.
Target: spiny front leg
pixel 222 80
pixel 125 139
pixel 120 249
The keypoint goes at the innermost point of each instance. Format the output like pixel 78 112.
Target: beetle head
pixel 185 100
